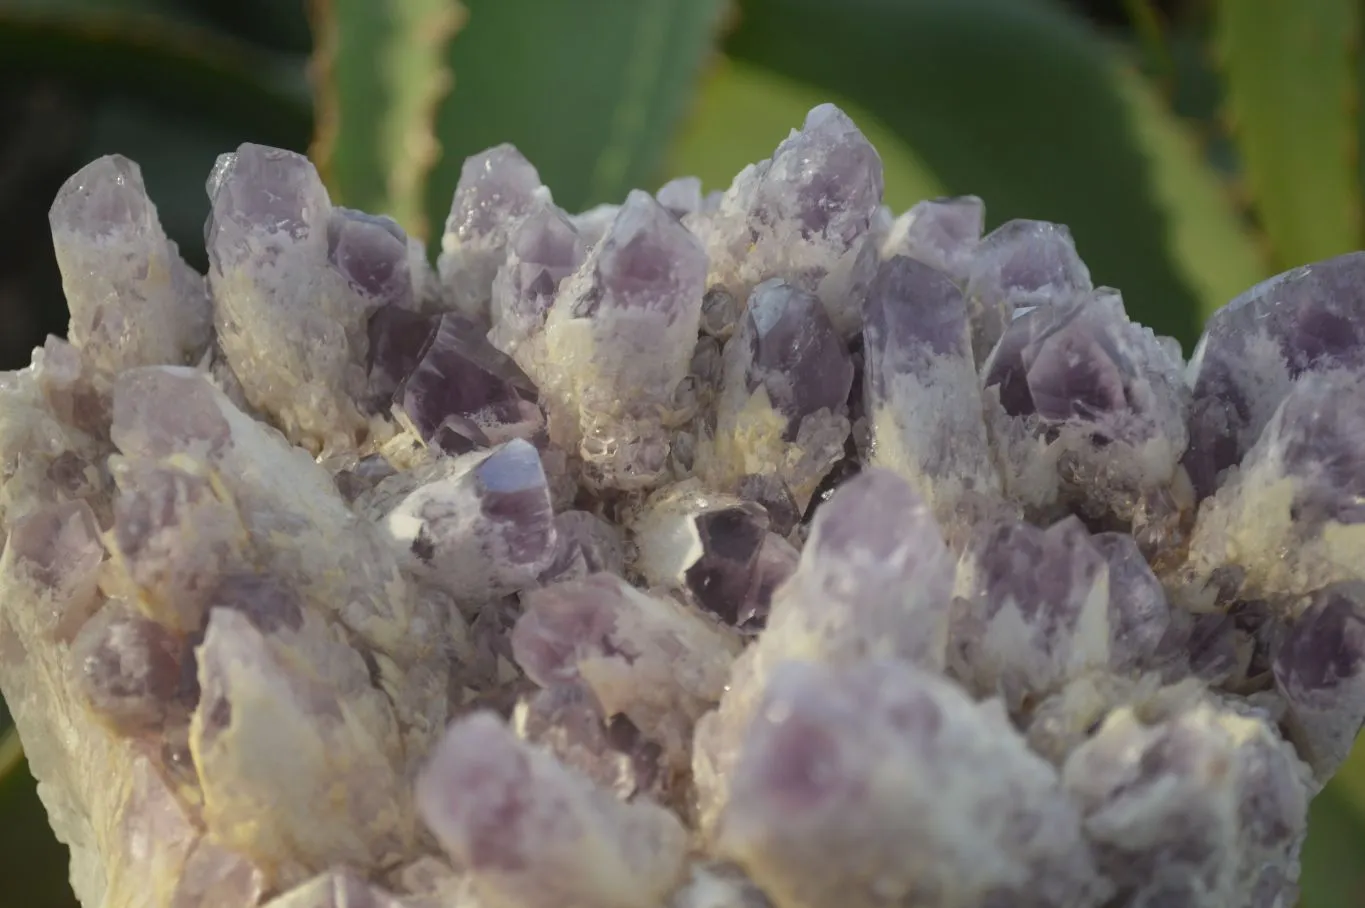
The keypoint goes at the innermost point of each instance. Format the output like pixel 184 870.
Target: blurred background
pixel 1193 146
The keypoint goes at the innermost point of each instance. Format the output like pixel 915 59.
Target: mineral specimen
pixel 751 549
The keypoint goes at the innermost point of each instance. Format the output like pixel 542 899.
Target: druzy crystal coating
pixel 751 548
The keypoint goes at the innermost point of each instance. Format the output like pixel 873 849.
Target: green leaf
pixel 742 113
pixel 1029 108
pixel 1290 76
pixel 33 863
pixel 590 91
pixel 1333 874
pixel 154 50
pixel 380 70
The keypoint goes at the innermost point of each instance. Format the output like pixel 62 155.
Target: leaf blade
pixel 1290 78
pixel 596 92
pixel 1016 102
pixel 379 72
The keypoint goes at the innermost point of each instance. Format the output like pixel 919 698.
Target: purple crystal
pixel 772 493
pixel 523 825
pixel 567 721
pixel 128 669
pixel 544 250
pixel 265 600
pixel 681 196
pixel 1320 433
pixel 1304 320
pixel 56 550
pixel 262 190
pixel 794 352
pixel 133 300
pixel 941 233
pixel 497 188
pixel 875 577
pixel 868 786
pixel 457 400
pixel 372 254
pixel 1139 616
pixel 585 544
pixel 1320 672
pixel 1018 265
pixel 398 338
pixel 1036 613
pixel 646 261
pixel 1189 809
pixel 913 312
pixel 481 532
pixel 163 411
pixel 721 579
pixel 1102 392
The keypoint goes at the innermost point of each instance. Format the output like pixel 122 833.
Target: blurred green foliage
pixel 1194 147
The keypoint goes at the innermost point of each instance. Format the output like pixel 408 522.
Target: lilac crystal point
pixel 54 555
pixel 920 389
pixel 941 233
pixel 295 774
pixel 458 400
pixel 1019 265
pixel 535 834
pixel 585 544
pixel 681 196
pixel 133 300
pixel 782 408
pixel 1087 409
pixel 174 536
pixel 1038 612
pixel 371 253
pixel 1303 320
pixel 1320 673
pixel 619 341
pixel 544 250
pixel 1139 615
pixel 484 530
pixel 883 784
pixel 1297 490
pixel 1206 806
pixel 291 323
pixel 397 339
pixel 129 671
pixel 643 656
pixel 497 188
pixel 805 216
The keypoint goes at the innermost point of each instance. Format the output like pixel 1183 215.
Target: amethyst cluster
pixel 756 549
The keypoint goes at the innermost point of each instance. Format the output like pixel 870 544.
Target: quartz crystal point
pixel 619 340
pixel 1305 320
pixel 920 388
pixel 941 233
pixel 1087 409
pixel 711 547
pixel 1036 613
pixel 870 785
pixel 1320 673
pixel 1019 265
pixel 497 188
pixel 544 249
pixel 133 300
pixel 804 215
pixel 1298 488
pixel 484 530
pixel 875 580
pixel 461 396
pixel 1204 807
pixel 297 772
pixel 783 407
pixel 585 544
pixel 681 196
pixel 643 656
pixel 534 834
pixel 294 283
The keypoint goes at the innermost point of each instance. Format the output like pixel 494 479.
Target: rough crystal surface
pixel 755 549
